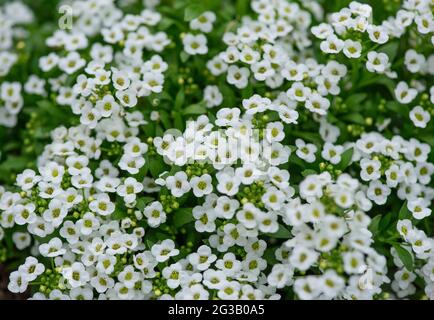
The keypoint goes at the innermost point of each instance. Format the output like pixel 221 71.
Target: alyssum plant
pixel 282 152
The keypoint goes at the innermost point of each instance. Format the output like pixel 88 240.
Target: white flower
pixel 204 219
pixel 332 153
pixel 48 62
pixel 17 282
pixel 370 169
pixel 27 179
pixel 129 277
pixel 204 22
pixel 354 262
pixel 305 151
pixel 173 274
pixel 404 94
pixel 106 263
pixel 229 290
pixel 238 76
pixel 377 62
pixel 76 275
pixel 298 92
pixel 55 213
pixel 273 198
pixel 212 96
pixel 102 204
pixel 332 283
pixel 352 49
pixel 178 184
pixel 31 269
pixel 21 239
pixel 280 276
pixel 163 251
pixel 302 258
pixel 202 259
pixel 307 288
pixel 419 207
pixel 377 34
pixel 128 98
pixel 88 223
pixel 378 192
pixel 52 249
pixel 71 63
pixel 262 70
pixel 425 23
pixel 129 189
pixel 24 214
pixel 413 61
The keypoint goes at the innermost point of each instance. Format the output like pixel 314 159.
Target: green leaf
pixel 198 108
pixel 397 108
pixel 354 118
pixel 346 157
pixel 374 225
pixel 178 121
pixel 184 56
pixel 355 99
pixel 192 11
pixel 156 166
pixel 165 119
pixel 405 256
pixel 182 216
pixel 242 7
pixel 281 233
pixel 385 222
pixel 391 49
pixel 119 213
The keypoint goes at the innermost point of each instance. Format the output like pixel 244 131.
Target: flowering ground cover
pixel 233 149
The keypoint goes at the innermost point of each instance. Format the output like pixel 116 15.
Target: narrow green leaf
pixel 182 216
pixel 391 49
pixel 198 108
pixel 405 256
pixel 119 213
pixel 184 56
